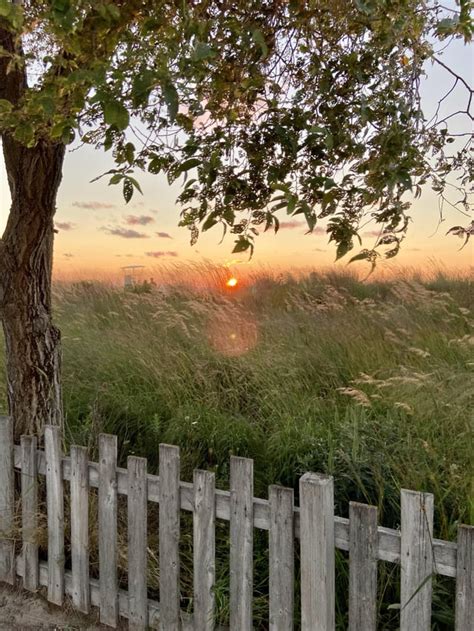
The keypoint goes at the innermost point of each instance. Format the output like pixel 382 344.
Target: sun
pixel 232 282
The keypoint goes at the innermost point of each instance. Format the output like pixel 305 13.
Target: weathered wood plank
pixel 362 567
pixel 416 560
pixel 169 529
pixel 389 539
pixel 7 502
pixel 137 544
pixel 108 530
pixel 80 528
pixel 317 552
pixel 29 512
pixel 281 558
pixel 465 579
pixel 241 542
pixel 204 550
pixel 55 507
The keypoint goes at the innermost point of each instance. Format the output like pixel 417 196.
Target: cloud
pixel 320 250
pixel 125 233
pixel 93 205
pixel 163 235
pixel 64 225
pixel 291 225
pixel 371 233
pixel 138 220
pixel 68 255
pixel 160 253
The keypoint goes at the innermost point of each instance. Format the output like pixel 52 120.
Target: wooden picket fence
pixel 313 526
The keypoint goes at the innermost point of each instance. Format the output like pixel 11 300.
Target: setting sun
pixel 232 282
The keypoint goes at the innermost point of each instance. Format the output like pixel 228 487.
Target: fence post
pixel 169 528
pixel 7 502
pixel 108 530
pixel 204 547
pixel 137 544
pixel 241 542
pixel 29 512
pixel 363 543
pixel 416 560
pixel 80 528
pixel 55 504
pixel 281 557
pixel 317 552
pixel 465 578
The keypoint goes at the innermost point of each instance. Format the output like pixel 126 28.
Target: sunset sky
pixel 98 233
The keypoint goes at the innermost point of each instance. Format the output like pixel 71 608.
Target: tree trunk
pixel 32 342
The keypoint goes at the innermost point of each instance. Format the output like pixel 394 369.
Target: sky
pixel 98 233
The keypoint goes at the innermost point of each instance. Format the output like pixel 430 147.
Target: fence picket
pixel 137 544
pixel 169 529
pixel 281 556
pixel 80 528
pixel 55 507
pixel 416 560
pixel 317 552
pixel 465 579
pixel 29 512
pixel 108 530
pixel 7 502
pixel 204 545
pixel 362 567
pixel 241 543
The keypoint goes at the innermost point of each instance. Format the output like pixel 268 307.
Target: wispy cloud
pixel 160 253
pixel 93 205
pixel 138 220
pixel 163 235
pixel 64 225
pixel 320 250
pixel 372 233
pixel 291 225
pixel 68 255
pixel 125 233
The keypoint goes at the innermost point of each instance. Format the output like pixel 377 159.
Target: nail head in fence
pixel 108 530
pixel 80 528
pixel 416 560
pixel 281 558
pixel 363 543
pixel 241 542
pixel 317 552
pixel 204 546
pixel 55 506
pixel 7 499
pixel 137 543
pixel 29 512
pixel 465 579
pixel 169 528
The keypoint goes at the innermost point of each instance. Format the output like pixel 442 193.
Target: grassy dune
pixel 369 382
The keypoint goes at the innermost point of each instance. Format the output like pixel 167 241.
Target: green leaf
pixel 170 95
pixel 241 245
pixel 127 190
pixel 202 51
pixel 343 248
pixel 188 164
pixel 115 179
pixel 209 223
pixel 259 39
pixel 129 151
pixel 116 114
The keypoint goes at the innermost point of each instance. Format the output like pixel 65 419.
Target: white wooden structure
pixel 312 526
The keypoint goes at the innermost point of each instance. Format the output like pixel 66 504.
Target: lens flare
pixel 232 282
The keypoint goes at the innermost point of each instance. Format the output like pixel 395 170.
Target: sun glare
pixel 232 282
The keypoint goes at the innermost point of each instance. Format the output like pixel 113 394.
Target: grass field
pixel 370 382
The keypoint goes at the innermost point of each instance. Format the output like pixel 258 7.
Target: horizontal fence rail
pixel 312 526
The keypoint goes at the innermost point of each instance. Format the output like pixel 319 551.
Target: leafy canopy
pixel 262 106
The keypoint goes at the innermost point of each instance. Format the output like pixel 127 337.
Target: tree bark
pixel 33 351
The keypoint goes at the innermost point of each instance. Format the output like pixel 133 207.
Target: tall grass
pixel 369 382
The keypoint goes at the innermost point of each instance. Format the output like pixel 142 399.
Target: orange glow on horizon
pixel 232 282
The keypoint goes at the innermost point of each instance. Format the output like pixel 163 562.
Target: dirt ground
pixel 22 611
